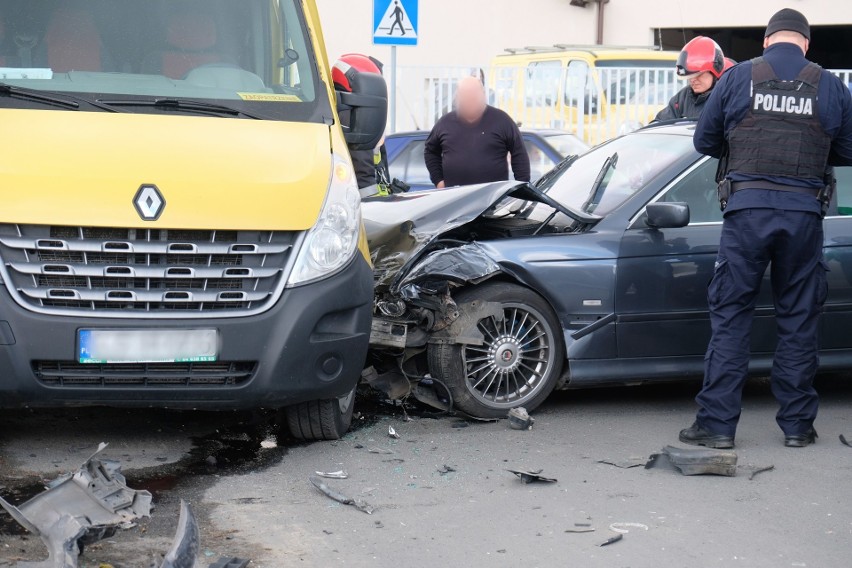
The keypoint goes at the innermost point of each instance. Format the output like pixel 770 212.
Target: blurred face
pixel 470 99
pixel 701 83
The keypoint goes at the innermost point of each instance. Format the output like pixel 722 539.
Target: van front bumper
pixel 310 345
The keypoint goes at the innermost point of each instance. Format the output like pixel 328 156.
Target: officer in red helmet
pixel 371 166
pixel 701 63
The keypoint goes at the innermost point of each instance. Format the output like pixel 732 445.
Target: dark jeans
pixel 752 238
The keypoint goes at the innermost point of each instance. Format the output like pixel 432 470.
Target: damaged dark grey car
pixel 596 275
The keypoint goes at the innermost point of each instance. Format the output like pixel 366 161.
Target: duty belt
pixel 763 184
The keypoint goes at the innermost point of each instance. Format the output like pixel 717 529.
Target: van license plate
pixel 147 345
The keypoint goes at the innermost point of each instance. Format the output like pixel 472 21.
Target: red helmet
pixel 729 63
pixel 701 54
pixel 350 64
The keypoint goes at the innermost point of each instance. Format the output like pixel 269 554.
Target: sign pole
pixel 394 23
pixel 393 91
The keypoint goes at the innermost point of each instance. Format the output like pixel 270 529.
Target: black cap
pixel 789 20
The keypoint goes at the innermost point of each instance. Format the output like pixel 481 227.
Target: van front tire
pixel 321 419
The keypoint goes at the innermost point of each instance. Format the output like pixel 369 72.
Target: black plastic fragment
pixel 612 540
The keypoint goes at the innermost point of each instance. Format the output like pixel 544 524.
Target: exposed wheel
pixel 321 419
pixel 519 363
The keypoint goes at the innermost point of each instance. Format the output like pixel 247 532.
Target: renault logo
pixel 149 202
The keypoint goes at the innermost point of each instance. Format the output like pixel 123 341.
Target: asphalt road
pixel 255 501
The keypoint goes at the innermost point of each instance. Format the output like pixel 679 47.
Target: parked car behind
pixel 595 275
pixel 545 147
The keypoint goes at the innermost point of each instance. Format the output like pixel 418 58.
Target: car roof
pixel 535 131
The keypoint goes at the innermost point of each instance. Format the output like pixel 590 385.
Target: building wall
pixel 471 32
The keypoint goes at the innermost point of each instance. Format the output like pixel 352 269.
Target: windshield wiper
pixel 532 193
pixel 545 181
pixel 598 188
pixel 188 105
pixel 37 96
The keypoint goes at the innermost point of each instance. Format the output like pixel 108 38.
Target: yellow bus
pixel 596 92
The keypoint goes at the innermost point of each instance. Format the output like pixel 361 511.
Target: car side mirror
pixel 364 111
pixel 665 215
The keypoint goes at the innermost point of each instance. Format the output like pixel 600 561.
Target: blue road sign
pixel 395 22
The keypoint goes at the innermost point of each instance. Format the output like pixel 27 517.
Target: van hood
pixel 85 168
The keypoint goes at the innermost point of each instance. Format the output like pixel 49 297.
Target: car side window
pixel 844 190
pixel 410 165
pixel 698 190
pixel 540 162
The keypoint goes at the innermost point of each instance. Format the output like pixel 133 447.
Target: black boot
pixel 801 440
pixel 698 436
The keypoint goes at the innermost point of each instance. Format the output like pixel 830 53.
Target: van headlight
pixel 332 241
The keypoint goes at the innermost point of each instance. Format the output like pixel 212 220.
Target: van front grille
pixel 150 272
pixel 143 375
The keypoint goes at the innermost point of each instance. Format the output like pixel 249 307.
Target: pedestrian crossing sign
pixel 395 22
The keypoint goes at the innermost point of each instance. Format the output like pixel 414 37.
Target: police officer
pixel 700 63
pixel 776 122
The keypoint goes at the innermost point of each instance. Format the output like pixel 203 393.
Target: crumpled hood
pixel 84 168
pixel 400 227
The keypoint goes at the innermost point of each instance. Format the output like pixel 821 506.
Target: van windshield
pixel 249 56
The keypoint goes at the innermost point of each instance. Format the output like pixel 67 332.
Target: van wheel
pixel 321 419
pixel 519 362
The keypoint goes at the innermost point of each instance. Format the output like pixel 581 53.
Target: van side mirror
pixel 665 215
pixel 364 111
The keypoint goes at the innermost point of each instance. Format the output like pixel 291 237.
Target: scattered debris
pixel 531 476
pixel 392 433
pixel 624 528
pixel 844 441
pixel 445 469
pixel 186 543
pixel 339 497
pixel 333 474
pixel 754 470
pixel 519 419
pixel 231 563
pixel 626 464
pixel 698 461
pixel 90 505
pixel 460 424
pixel 580 529
pixel 612 540
pixel 375 450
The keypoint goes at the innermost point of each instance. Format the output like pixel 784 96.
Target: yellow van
pixel 180 223
pixel 597 92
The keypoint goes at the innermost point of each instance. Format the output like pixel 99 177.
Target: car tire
pixel 526 371
pixel 321 419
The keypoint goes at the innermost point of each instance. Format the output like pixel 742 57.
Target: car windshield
pixel 632 162
pixel 248 56
pixel 567 144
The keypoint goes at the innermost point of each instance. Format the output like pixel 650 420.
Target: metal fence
pixel 596 104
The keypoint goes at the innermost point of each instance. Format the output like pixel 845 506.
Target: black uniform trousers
pixel 792 242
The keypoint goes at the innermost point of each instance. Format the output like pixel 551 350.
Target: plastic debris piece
pixel 624 528
pixel 698 461
pixel 844 441
pixel 339 497
pixel 519 419
pixel 531 476
pixel 375 450
pixel 612 540
pixel 754 470
pixel 186 543
pixel 445 469
pixel 392 433
pixel 333 474
pixel 626 464
pixel 232 562
pixel 580 530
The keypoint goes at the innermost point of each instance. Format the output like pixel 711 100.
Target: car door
pixel 837 315
pixel 662 274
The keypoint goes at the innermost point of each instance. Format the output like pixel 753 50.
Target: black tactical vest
pixel 781 135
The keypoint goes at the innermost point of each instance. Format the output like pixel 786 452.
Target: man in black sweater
pixel 470 145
